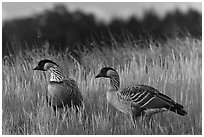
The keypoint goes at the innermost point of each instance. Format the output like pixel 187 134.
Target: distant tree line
pixel 76 30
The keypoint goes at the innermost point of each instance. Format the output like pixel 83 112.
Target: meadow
pixel 173 67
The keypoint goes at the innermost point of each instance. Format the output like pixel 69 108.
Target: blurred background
pixel 77 27
pixel 156 44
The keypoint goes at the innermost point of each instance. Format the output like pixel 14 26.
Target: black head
pixel 44 65
pixel 106 72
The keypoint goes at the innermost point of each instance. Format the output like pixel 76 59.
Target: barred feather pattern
pixel 144 97
pixel 115 81
pixel 56 74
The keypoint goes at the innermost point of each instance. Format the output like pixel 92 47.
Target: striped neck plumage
pixel 56 74
pixel 114 82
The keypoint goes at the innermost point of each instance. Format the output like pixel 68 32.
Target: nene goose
pixel 137 100
pixel 61 92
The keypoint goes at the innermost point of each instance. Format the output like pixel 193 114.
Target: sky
pixel 102 10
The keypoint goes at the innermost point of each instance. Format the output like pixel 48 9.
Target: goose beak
pixel 36 68
pixel 98 76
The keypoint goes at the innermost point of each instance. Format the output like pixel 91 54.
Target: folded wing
pixel 145 97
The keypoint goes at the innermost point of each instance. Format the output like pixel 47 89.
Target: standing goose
pixel 61 92
pixel 137 100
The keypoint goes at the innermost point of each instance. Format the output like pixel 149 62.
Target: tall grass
pixel 173 67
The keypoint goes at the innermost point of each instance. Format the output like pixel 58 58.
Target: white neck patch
pixel 55 74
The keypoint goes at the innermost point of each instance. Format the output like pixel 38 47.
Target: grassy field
pixel 173 67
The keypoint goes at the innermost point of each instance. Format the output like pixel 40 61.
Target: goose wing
pixel 146 97
pixel 69 93
pixel 72 89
